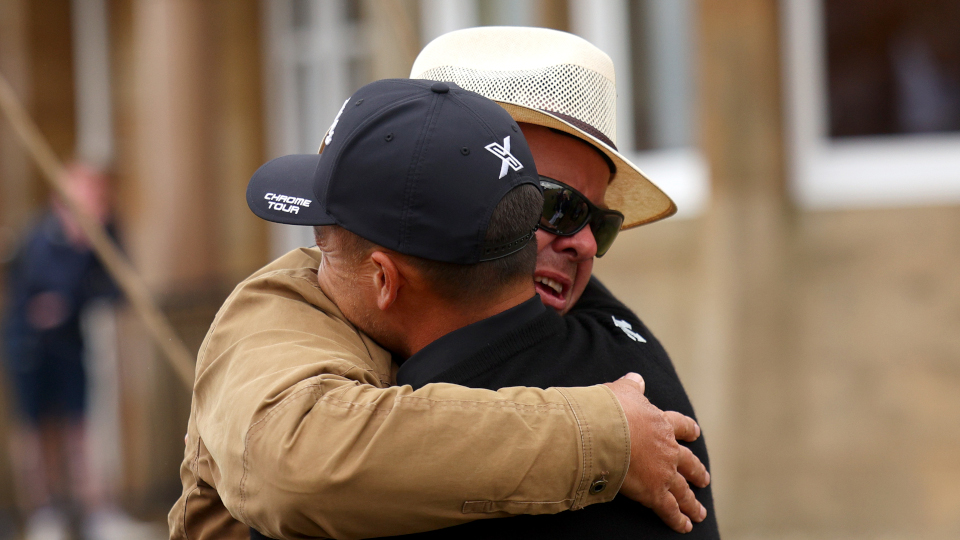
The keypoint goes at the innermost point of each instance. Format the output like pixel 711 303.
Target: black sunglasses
pixel 566 212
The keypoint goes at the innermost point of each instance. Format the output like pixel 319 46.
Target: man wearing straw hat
pixel 421 196
pixel 561 90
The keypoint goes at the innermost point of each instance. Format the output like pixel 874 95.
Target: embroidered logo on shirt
pixel 628 330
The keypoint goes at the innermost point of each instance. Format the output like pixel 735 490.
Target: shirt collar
pixel 450 348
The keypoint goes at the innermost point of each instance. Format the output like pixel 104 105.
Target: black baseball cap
pixel 414 166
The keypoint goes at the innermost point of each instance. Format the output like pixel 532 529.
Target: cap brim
pixel 282 191
pixel 630 191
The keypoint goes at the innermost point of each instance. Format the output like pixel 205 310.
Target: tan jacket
pixel 296 429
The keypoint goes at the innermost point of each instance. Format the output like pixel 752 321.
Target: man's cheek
pixel 584 269
pixel 543 240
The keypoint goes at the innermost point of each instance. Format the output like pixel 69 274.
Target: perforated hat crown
pixel 553 79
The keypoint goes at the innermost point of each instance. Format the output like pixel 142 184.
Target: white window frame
pixel 879 171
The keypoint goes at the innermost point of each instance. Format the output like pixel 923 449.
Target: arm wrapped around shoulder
pixel 296 410
pixel 347 460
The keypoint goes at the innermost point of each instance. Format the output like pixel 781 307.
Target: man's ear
pixel 387 279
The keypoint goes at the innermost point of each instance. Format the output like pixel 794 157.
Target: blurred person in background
pixel 53 277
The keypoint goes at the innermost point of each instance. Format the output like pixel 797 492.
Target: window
pixel 873 101
pixel 661 47
pixel 893 67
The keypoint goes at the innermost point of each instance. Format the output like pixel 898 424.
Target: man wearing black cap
pixel 426 200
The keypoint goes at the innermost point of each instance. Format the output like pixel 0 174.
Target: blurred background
pixel 808 290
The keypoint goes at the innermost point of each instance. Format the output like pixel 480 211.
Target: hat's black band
pixel 580 124
pixel 492 253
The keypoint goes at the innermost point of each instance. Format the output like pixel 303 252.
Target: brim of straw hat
pixel 629 191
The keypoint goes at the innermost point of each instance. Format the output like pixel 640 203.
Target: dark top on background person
pixel 51 279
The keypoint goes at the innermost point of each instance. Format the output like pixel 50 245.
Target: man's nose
pixel 579 247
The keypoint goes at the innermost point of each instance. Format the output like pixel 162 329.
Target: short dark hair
pixel 516 215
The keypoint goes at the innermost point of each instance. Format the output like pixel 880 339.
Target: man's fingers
pixel 687 501
pixel 690 468
pixel 669 512
pixel 684 427
pixel 629 390
pixel 635 377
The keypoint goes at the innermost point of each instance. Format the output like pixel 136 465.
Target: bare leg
pixel 29 469
pixel 85 488
pixel 36 470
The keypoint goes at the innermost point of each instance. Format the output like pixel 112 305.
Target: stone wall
pixel 854 431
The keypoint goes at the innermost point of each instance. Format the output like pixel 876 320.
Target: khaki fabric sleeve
pixel 199 513
pixel 310 440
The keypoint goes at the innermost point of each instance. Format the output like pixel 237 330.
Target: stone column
pixel 743 349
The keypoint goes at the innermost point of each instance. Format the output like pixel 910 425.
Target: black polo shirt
pixel 599 341
pixel 449 349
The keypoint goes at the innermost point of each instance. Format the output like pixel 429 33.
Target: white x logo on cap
pixel 503 152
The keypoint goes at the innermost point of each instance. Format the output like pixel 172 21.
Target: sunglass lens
pixel 605 229
pixel 564 212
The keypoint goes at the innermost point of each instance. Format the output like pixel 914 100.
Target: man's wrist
pixel 605 443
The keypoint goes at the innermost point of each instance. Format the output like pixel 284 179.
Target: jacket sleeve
pixel 309 439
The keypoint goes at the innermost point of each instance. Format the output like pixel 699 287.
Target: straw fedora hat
pixel 552 79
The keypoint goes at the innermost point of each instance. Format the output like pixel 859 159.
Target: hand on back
pixel 660 469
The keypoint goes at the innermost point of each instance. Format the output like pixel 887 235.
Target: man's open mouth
pixel 549 287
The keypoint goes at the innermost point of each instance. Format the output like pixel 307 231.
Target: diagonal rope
pixel 181 360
